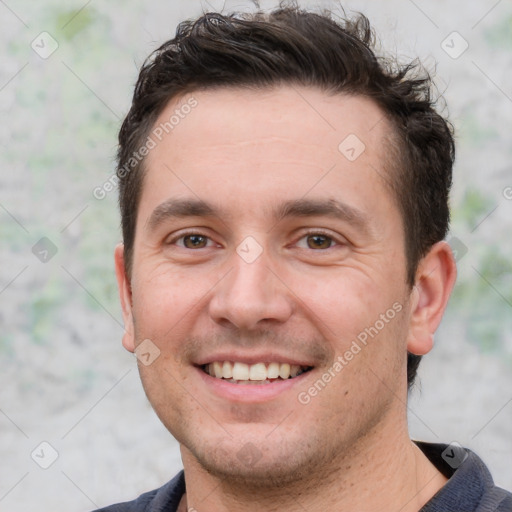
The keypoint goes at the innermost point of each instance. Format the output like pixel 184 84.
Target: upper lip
pixel 263 357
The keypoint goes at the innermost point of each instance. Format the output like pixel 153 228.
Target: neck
pixel 382 473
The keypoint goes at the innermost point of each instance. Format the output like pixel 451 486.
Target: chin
pixel 258 461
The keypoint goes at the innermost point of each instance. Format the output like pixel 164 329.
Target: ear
pixel 434 282
pixel 125 294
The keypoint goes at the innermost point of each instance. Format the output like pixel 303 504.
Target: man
pixel 284 195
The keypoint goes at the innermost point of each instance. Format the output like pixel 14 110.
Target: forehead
pixel 305 115
pixel 249 146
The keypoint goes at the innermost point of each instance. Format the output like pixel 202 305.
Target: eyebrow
pixel 180 208
pixel 325 208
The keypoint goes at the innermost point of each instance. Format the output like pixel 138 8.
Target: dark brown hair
pixel 296 47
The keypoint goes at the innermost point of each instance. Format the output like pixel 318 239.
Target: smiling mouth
pixel 259 373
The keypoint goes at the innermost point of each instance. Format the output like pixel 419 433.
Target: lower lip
pixel 255 393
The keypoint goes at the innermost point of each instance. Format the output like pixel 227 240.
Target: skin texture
pixel 247 153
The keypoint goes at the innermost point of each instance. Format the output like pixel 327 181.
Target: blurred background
pixel 66 78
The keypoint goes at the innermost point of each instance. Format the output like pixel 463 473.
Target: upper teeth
pixel 258 371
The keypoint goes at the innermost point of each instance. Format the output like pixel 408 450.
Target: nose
pixel 251 296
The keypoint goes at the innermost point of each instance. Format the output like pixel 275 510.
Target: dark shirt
pixel 470 487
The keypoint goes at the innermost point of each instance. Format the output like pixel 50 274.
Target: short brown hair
pixel 294 46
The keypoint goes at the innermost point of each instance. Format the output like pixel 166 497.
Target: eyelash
pixel 174 240
pixel 335 242
pixel 320 232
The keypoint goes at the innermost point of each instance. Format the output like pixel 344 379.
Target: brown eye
pixel 195 241
pixel 319 241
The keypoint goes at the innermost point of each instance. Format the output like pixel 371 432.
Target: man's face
pixel 261 240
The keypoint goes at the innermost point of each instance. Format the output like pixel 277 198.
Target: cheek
pixel 164 298
pixel 342 302
pixel 364 321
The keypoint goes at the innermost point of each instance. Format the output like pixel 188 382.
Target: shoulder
pixel 498 498
pixel 470 486
pixel 166 498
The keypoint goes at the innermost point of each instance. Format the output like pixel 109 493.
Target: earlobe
pixel 435 278
pixel 125 295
